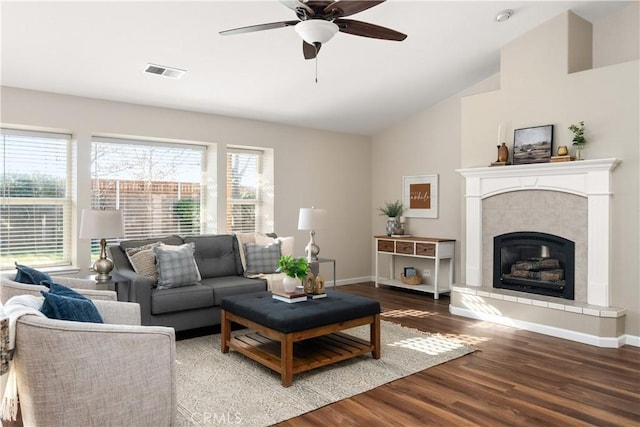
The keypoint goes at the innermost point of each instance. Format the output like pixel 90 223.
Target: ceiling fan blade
pixel 309 50
pixel 260 27
pixel 296 6
pixel 364 29
pixel 349 7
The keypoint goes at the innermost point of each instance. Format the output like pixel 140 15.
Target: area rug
pixel 222 389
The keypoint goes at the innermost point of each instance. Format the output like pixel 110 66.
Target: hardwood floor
pixel 516 378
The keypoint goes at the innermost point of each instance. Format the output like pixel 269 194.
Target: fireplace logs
pixel 534 262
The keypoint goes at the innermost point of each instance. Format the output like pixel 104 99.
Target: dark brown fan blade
pixel 295 5
pixel 309 50
pixel 364 29
pixel 260 27
pixel 349 7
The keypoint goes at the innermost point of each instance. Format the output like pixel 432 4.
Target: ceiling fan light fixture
pixel 315 31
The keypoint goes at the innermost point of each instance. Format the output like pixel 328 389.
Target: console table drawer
pixel 425 249
pixel 386 246
pixel 404 248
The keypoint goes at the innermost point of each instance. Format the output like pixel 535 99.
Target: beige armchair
pixel 9 288
pixel 86 374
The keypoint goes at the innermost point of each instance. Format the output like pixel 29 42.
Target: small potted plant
pixel 579 140
pixel 393 210
pixel 296 269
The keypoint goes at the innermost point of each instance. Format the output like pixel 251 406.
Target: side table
pixel 117 283
pixel 315 269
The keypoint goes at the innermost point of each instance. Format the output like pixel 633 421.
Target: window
pixel 35 199
pixel 157 186
pixel 243 190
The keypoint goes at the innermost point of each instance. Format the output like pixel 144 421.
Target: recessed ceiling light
pixel 503 15
pixel 161 70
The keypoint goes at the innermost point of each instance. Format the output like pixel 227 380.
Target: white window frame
pixel 66 202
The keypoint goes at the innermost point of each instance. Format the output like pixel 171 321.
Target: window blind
pixel 243 189
pixel 35 199
pixel 157 186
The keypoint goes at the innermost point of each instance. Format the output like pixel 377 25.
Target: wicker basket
pixel 413 280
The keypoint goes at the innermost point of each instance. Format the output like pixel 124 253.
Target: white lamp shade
pixel 316 30
pixel 96 224
pixel 311 218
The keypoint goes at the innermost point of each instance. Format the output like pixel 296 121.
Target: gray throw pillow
pixel 176 265
pixel 262 259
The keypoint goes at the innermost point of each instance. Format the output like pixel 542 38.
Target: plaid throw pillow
pixel 262 259
pixel 176 265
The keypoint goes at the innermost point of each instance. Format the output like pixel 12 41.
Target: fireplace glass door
pixel 534 262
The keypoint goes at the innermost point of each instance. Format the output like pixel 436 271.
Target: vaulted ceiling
pixel 100 49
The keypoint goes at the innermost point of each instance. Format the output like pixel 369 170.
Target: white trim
pixel 633 340
pixel 609 342
pixel 587 178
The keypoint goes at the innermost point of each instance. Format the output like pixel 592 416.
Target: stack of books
pixel 567 158
pixel 289 297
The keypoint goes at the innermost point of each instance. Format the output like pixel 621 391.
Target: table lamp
pixel 311 219
pixel 100 224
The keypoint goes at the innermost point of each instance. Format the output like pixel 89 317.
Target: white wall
pixel 462 132
pixel 325 169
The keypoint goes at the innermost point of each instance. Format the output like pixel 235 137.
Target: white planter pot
pixel 290 283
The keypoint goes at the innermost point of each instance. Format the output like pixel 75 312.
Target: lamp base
pixel 103 267
pixel 312 250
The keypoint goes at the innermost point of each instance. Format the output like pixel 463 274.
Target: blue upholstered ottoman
pixel 298 328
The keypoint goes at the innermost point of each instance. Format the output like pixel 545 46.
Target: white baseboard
pixel 350 281
pixel 632 340
pixel 610 342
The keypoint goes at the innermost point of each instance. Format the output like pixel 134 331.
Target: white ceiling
pixel 100 49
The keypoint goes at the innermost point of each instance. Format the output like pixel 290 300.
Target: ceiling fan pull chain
pixel 316 46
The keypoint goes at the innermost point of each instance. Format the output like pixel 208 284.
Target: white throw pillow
pixel 286 243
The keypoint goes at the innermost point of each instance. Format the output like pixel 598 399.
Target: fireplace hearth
pixel 533 262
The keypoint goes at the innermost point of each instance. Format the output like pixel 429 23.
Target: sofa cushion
pixel 233 285
pixel 143 260
pixel 216 255
pixel 180 299
pixel 261 258
pixel 30 276
pixel 176 265
pixel 168 240
pixel 66 304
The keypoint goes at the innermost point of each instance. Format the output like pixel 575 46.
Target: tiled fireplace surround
pixel 571 200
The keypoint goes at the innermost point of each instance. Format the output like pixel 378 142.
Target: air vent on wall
pixel 161 70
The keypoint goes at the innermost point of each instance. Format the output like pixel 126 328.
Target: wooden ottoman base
pixel 300 351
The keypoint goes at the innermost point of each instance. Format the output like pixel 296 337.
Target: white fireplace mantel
pixel 587 178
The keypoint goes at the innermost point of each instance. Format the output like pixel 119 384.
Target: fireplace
pixel 533 262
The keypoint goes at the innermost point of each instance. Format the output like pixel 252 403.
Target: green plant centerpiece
pixel 296 270
pixel 579 140
pixel 393 210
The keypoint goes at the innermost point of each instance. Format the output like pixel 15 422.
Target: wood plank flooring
pixel 516 378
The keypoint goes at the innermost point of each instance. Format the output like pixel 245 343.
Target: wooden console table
pixel 416 247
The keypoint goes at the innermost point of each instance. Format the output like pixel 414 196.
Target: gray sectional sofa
pixel 195 305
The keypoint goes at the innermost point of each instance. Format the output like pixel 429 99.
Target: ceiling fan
pixel 318 21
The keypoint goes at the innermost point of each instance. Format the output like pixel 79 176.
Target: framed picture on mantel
pixel 532 145
pixel 420 196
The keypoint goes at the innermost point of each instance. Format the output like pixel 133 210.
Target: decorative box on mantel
pixel 592 319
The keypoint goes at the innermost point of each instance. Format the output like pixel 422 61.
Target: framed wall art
pixel 420 196
pixel 532 145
